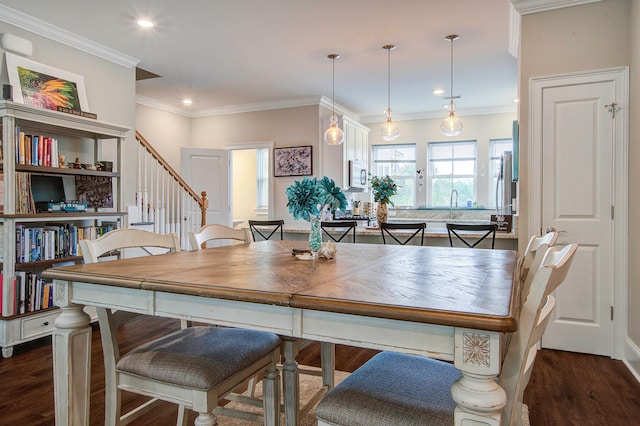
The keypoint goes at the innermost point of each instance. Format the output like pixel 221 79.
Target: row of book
pixel 24 197
pixel 27 292
pixel 36 150
pixel 54 241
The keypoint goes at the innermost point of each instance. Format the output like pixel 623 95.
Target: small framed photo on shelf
pixel 293 161
pixel 44 86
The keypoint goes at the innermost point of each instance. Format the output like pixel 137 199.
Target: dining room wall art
pixel 292 161
pixel 44 86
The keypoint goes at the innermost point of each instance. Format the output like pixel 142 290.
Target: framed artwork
pixel 96 191
pixel 294 161
pixel 44 86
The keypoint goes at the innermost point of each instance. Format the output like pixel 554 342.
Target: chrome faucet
pixel 451 203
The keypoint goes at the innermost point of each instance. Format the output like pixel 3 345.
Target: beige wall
pixel 588 37
pixel 244 177
pixel 167 132
pixel 110 87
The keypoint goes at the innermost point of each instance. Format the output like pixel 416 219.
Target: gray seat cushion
pixel 198 357
pixel 393 389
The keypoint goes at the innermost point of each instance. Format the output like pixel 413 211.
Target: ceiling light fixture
pixel 334 134
pixel 144 23
pixel 187 101
pixel 452 125
pixel 390 130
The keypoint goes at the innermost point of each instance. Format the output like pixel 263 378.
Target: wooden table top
pixel 440 285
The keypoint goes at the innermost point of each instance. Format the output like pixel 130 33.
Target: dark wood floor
pixel 565 389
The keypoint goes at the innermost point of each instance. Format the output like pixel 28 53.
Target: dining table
pixel 453 304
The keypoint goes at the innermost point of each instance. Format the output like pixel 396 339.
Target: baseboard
pixel 632 358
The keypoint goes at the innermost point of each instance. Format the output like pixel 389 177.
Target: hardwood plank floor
pixel 565 388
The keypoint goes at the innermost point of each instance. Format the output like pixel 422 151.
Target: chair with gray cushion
pixel 193 367
pixel 399 389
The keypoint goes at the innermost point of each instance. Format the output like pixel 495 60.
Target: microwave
pixel 357 175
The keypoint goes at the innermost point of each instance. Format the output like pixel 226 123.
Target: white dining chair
pixel 531 260
pixel 400 389
pixel 218 233
pixel 194 367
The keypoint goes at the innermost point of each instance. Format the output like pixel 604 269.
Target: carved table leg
pixel 71 359
pixel 478 396
pixel 290 375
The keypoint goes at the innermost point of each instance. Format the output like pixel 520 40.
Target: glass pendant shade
pixel 389 130
pixel 452 125
pixel 334 134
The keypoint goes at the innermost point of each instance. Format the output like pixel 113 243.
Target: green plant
pixel 383 189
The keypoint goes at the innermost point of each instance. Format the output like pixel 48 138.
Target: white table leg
pixel 478 396
pixel 71 359
pixel 291 390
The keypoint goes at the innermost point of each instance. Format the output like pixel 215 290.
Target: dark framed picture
pixel 294 161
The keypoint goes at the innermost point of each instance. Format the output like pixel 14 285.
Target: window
pixel 496 148
pixel 399 162
pixel 262 178
pixel 452 165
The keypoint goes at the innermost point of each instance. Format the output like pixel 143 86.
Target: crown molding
pixel 152 103
pixel 45 29
pixel 431 115
pixel 525 7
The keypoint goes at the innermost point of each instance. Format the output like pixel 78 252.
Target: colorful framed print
pixel 294 161
pixel 44 86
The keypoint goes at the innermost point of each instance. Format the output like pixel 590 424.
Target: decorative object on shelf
pixel 383 189
pixel 306 199
pixel 294 161
pixel 334 134
pixel 389 130
pixel 44 86
pixel 452 125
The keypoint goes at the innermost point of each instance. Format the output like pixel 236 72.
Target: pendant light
pixel 390 130
pixel 452 125
pixel 334 134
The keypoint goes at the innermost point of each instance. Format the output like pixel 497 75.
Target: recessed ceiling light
pixel 438 92
pixel 516 100
pixel 187 102
pixel 144 23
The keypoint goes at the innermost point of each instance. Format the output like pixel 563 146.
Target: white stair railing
pixel 164 199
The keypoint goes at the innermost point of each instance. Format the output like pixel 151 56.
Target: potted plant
pixel 308 197
pixel 383 189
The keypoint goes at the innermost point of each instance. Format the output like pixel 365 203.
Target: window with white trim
pixel 399 162
pixel 262 178
pixel 452 165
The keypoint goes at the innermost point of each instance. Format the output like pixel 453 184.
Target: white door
pixel 208 170
pixel 577 184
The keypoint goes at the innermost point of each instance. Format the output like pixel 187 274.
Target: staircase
pixel 163 199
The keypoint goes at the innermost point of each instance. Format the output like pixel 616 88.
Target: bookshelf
pixel 35 235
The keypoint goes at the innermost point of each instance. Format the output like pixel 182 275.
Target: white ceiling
pixel 230 53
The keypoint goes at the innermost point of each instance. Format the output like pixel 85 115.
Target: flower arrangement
pixel 383 188
pixel 307 196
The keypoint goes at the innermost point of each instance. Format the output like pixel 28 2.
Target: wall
pixel 243 178
pixel 285 127
pixel 593 36
pixel 110 87
pixel 480 128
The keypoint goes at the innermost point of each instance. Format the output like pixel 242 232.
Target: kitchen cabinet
pixel 355 147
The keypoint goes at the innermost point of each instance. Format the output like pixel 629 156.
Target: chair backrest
pixel 534 317
pixel 127 238
pixel 344 226
pixel 392 229
pixel 531 260
pixel 484 230
pixel 265 229
pixel 215 232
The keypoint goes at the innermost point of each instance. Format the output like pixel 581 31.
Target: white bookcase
pixel 78 137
